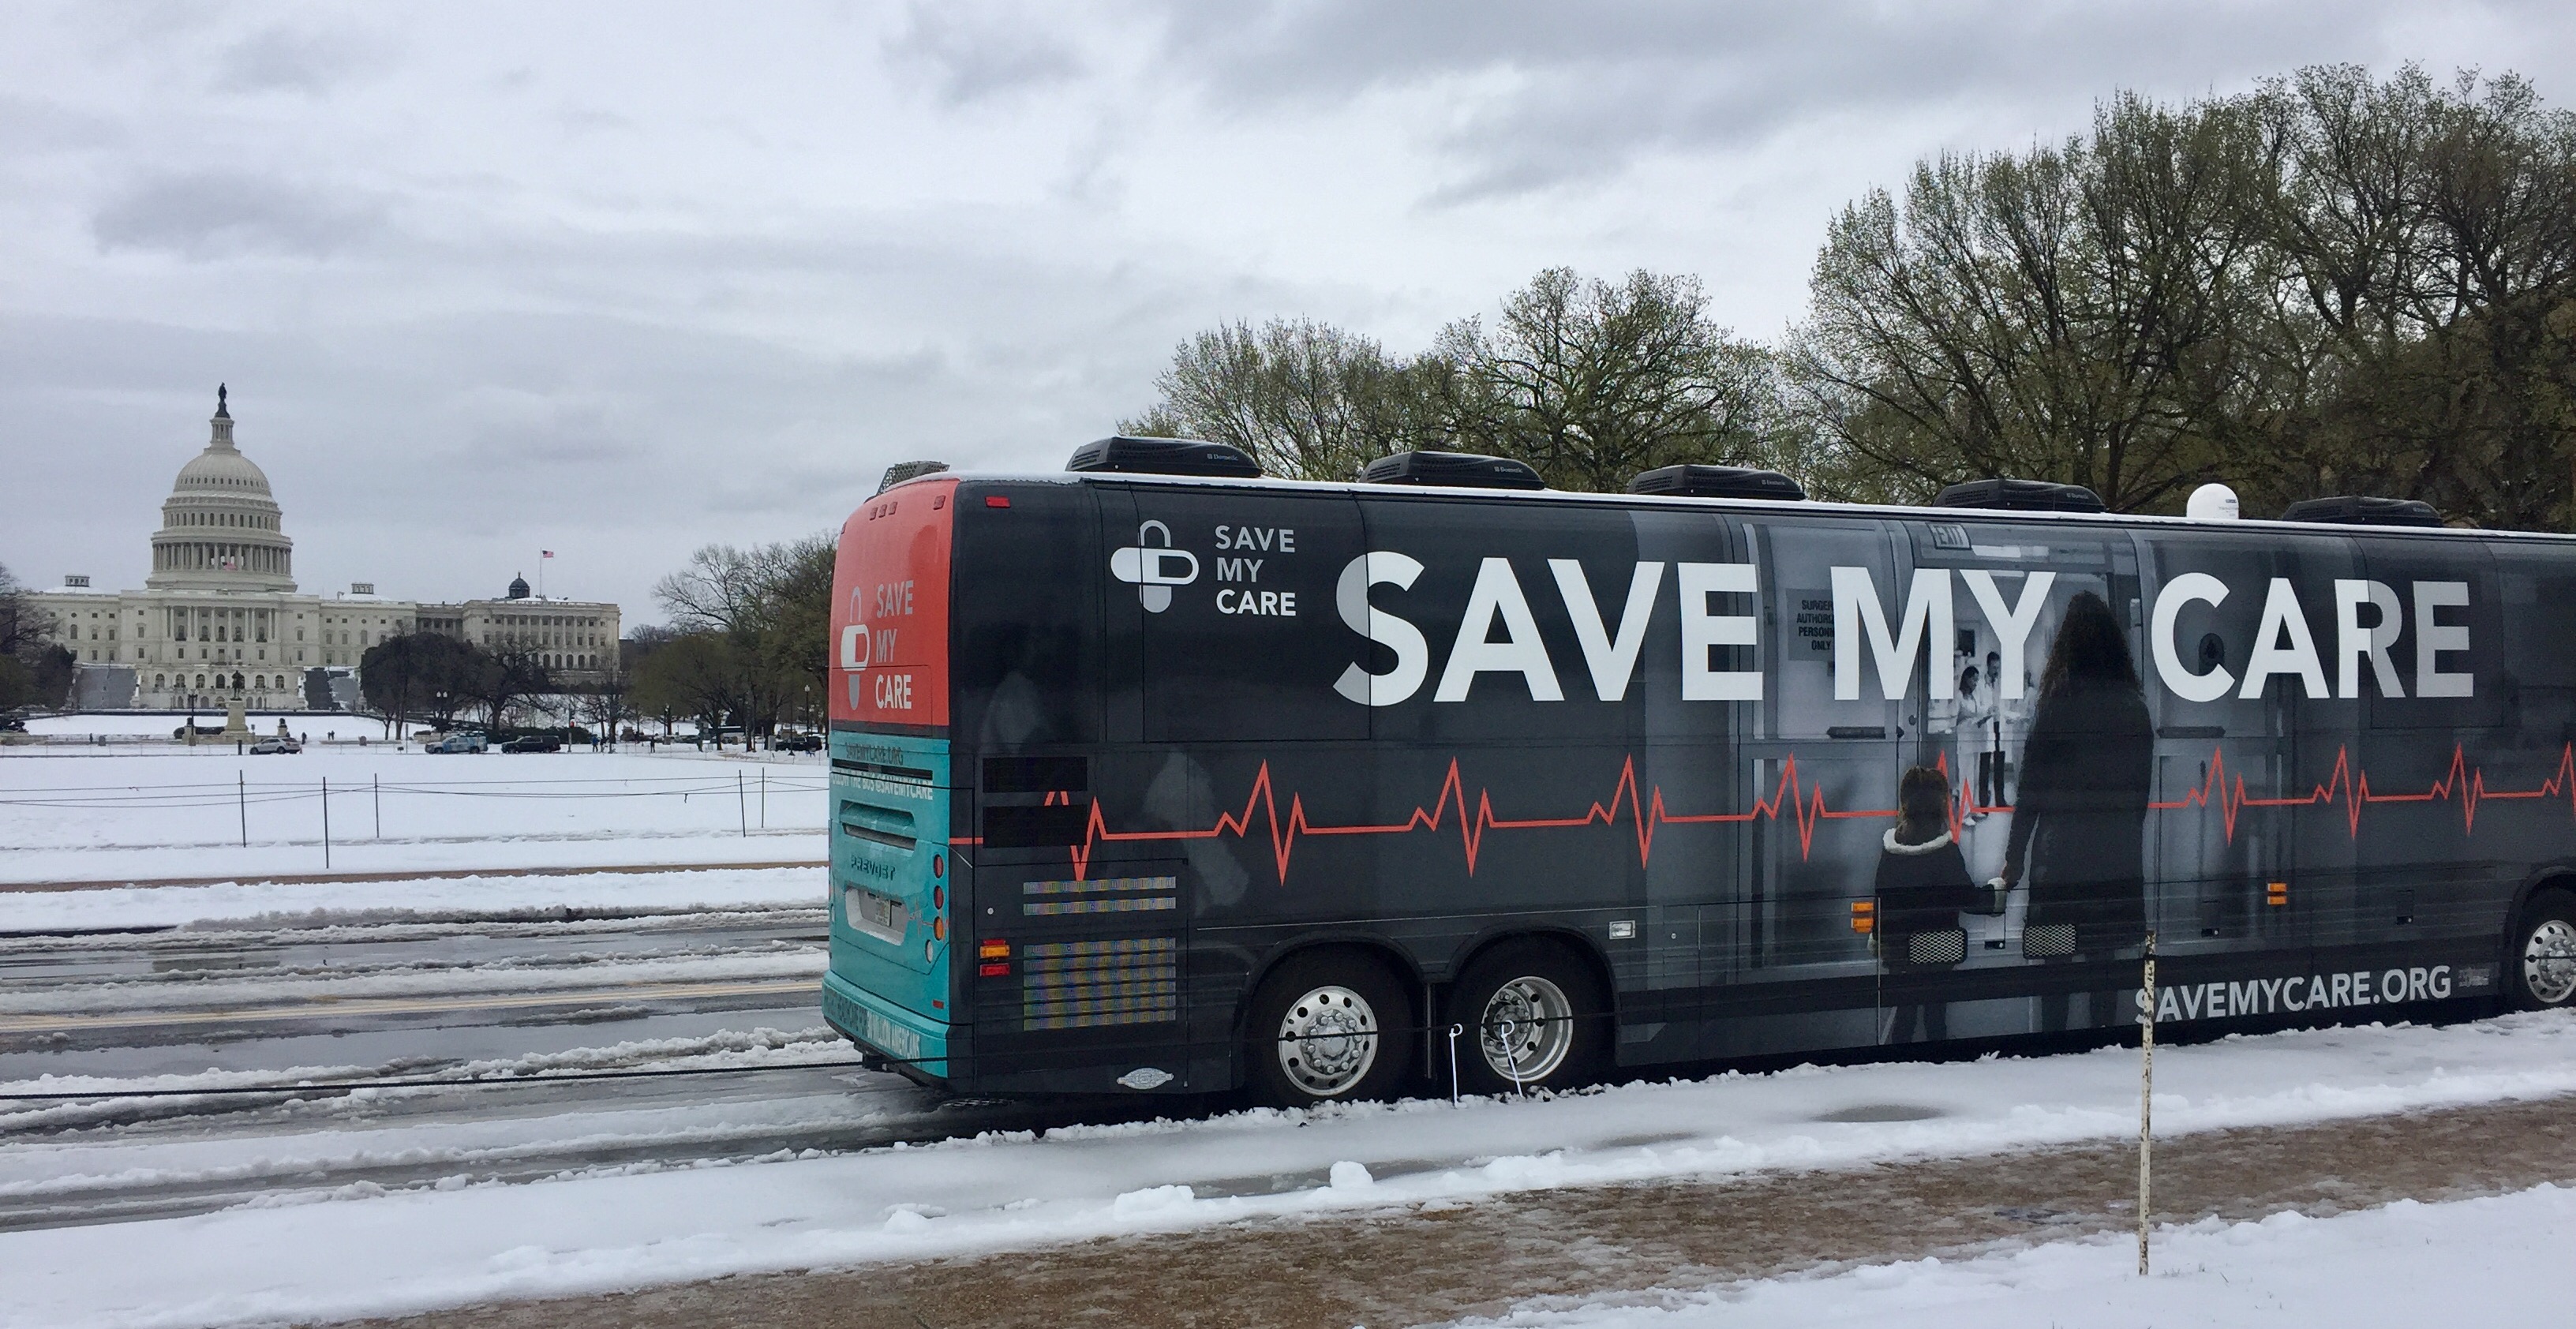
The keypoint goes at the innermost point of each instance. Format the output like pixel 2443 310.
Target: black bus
pixel 1156 783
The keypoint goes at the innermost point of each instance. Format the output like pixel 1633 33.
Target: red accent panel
pixel 890 608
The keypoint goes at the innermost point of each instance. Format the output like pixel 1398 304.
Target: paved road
pixel 326 1006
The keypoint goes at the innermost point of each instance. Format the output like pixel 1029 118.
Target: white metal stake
pixel 741 807
pixel 2146 1097
pixel 241 802
pixel 326 823
pixel 1454 1031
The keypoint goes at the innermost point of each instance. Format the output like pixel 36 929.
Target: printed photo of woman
pixel 2087 773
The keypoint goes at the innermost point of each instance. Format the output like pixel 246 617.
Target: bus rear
pixel 889 988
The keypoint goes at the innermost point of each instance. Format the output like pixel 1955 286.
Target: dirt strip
pixel 1421 1265
pixel 405 874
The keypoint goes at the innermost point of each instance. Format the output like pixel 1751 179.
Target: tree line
pixel 746 644
pixel 35 670
pixel 2329 284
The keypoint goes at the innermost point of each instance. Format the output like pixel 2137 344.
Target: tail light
pixel 1864 918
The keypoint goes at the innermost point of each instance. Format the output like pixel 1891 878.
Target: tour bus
pixel 1156 775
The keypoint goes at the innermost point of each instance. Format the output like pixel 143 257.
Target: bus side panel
pixel 1076 945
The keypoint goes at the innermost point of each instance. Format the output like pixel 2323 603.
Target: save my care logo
pixel 1154 567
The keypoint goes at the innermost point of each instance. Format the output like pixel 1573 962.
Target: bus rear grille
pixel 1109 895
pixel 1087 984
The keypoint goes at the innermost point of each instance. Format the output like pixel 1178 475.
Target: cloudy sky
pixel 618 280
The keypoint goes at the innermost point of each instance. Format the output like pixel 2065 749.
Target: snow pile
pixel 367 1253
pixel 79 815
pixel 274 904
pixel 2497 1260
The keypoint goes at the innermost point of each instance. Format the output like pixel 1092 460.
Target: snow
pixel 273 904
pixel 2496 1260
pixel 353 1250
pixel 166 812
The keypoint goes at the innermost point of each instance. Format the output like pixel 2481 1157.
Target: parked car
pixel 458 743
pixel 276 744
pixel 534 743
pixel 800 742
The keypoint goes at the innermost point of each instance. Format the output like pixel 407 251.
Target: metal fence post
pixel 241 803
pixel 741 809
pixel 376 786
pixel 2146 1097
pixel 326 823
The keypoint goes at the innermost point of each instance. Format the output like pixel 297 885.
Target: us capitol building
pixel 219 617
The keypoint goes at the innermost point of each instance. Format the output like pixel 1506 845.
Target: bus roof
pixel 1135 479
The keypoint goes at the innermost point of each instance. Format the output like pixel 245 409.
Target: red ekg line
pixel 2462 782
pixel 1646 812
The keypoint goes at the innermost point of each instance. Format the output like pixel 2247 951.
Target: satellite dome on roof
pixel 221 529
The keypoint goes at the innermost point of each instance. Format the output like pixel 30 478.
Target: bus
pixel 1194 782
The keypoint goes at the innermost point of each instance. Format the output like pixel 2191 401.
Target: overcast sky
pixel 619 280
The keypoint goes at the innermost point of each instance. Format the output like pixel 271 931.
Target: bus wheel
pixel 2543 967
pixel 1327 1027
pixel 1534 1018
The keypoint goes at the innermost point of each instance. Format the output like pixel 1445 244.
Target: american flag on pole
pixel 545 553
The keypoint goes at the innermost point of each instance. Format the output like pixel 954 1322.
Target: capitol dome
pixel 221 530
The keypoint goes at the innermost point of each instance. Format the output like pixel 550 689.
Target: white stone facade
pixel 220 618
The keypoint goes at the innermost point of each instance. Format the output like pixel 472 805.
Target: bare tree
pixel 1307 400
pixel 1591 383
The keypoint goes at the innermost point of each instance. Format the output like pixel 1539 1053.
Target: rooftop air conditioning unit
pixel 1718 482
pixel 2361 510
pixel 908 470
pixel 2019 496
pixel 1465 470
pixel 1163 456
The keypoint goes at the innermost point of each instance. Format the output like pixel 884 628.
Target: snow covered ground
pixel 270 904
pixel 81 814
pixel 2496 1260
pixel 465 1237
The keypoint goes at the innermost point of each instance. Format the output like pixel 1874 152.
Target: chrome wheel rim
pixel 1527 1029
pixel 2549 961
pixel 1328 1041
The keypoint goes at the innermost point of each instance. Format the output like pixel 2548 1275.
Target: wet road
pixel 461 999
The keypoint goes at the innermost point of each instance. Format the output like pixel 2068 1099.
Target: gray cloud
pixel 280 59
pixel 220 214
pixel 1549 95
pixel 972 55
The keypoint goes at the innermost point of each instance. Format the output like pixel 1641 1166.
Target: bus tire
pixel 1328 1027
pixel 2540 965
pixel 1531 1016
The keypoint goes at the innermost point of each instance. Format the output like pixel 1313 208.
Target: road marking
pixel 409 874
pixel 320 1007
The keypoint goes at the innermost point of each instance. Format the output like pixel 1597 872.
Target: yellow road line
pixel 329 1007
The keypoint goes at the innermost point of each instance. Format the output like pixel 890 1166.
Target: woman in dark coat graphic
pixel 2086 776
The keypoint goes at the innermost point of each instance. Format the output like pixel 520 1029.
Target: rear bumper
pixel 917 1044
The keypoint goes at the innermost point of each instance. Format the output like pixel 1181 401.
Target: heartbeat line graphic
pixel 1646 813
pixel 2463 782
